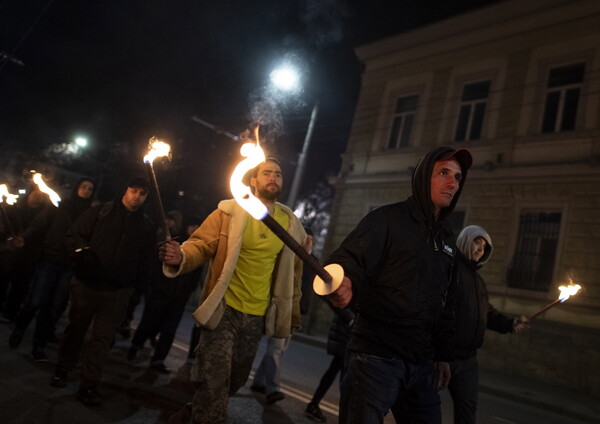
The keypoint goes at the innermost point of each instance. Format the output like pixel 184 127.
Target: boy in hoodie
pixel 398 266
pixel 49 291
pixel 474 313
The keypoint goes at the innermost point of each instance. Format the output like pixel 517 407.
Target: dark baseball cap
pixel 462 156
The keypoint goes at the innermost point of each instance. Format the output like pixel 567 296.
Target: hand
pixel 17 241
pixel 343 295
pixel 170 253
pixel 442 374
pixel 520 324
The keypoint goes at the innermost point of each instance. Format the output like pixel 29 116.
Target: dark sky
pixel 120 72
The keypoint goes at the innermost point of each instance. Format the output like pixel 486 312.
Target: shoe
pixel 275 397
pixel 160 367
pixel 38 355
pixel 132 353
pixel 16 337
pixel 60 378
pixel 89 396
pixel 258 389
pixel 314 413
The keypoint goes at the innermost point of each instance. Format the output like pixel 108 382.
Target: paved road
pixel 133 394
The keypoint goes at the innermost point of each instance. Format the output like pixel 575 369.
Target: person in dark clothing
pixel 164 307
pixel 21 259
pixel 474 313
pixel 116 244
pixel 49 287
pixel 399 263
pixel 337 340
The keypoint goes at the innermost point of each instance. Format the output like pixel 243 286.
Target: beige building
pixel 518 84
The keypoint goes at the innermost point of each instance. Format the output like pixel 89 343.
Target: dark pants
pixel 16 281
pixel 48 298
pixel 463 388
pixel 373 385
pixel 194 340
pixel 336 365
pixel 107 309
pixel 223 362
pixel 162 314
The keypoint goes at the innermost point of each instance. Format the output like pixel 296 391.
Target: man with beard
pixel 252 288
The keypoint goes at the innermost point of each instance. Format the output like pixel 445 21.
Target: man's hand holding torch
pixel 170 253
pixel 343 295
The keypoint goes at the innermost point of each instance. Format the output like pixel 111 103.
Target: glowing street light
pixel 81 141
pixel 287 78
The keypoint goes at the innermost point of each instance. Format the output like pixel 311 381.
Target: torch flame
pixel 254 155
pixel 568 291
pixel 156 148
pixel 10 198
pixel 54 197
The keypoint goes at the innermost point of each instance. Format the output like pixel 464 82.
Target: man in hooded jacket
pixel 398 265
pixel 474 313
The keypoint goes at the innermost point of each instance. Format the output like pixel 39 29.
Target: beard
pixel 265 193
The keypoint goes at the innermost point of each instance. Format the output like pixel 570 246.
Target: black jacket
pixel 121 247
pixel 400 261
pixel 474 312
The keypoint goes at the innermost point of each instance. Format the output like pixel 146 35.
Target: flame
pixel 254 155
pixel 10 198
pixel 54 197
pixel 156 148
pixel 568 291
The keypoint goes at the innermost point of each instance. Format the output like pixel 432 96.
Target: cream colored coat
pixel 219 240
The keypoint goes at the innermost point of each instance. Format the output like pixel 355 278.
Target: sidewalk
pixel 522 390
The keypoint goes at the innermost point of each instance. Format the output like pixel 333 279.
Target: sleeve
pixel 497 321
pixel 80 233
pixel 361 251
pixel 40 223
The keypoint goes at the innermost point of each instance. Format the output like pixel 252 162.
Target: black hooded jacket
pixel 400 261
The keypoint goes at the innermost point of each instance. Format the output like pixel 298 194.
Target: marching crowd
pixel 408 316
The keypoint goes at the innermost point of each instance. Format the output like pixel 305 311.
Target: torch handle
pixel 158 201
pixel 280 232
pixel 544 309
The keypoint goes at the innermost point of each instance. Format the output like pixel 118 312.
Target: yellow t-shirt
pixel 250 286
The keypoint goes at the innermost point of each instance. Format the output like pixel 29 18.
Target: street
pixel 135 394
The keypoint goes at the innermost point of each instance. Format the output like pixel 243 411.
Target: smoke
pixel 324 20
pixel 63 153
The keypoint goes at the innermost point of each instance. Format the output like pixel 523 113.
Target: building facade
pixel 518 84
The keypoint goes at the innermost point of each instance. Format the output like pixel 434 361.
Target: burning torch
pixel 157 148
pixel 11 200
pixel 565 292
pixel 54 197
pixel 328 278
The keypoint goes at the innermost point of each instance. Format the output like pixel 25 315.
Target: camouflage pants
pixel 223 362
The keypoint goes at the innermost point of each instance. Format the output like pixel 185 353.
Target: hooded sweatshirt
pixel 474 313
pixel 400 261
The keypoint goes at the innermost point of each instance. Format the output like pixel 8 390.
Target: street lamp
pixel 81 141
pixel 287 78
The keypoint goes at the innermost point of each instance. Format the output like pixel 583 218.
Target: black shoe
pixel 60 378
pixel 132 353
pixel 314 413
pixel 38 355
pixel 275 397
pixel 160 367
pixel 89 396
pixel 16 337
pixel 258 389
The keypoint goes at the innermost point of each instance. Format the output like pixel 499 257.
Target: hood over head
pixel 465 239
pixel 421 178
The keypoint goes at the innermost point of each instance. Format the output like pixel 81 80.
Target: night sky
pixel 120 72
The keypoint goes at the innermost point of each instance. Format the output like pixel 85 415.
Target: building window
pixel 562 98
pixel 533 264
pixel 402 121
pixel 472 111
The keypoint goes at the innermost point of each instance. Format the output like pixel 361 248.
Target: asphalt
pixel 135 394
